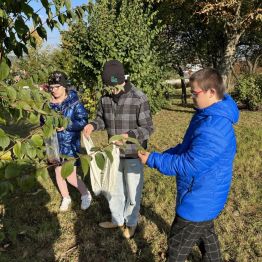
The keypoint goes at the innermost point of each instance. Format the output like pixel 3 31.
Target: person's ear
pixel 212 93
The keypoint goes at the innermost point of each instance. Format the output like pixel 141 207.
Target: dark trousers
pixel 185 234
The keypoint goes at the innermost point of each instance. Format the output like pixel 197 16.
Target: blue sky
pixel 53 37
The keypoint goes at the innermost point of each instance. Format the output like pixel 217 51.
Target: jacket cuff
pixel 131 134
pixel 150 161
pixel 94 125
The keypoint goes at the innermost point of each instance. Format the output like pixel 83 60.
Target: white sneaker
pixel 86 201
pixel 66 202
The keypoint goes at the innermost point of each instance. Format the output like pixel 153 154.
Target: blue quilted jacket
pixel 69 139
pixel 203 162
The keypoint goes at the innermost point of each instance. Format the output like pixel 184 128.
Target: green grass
pixel 36 231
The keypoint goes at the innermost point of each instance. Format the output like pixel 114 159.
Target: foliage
pixel 208 31
pixel 249 91
pixel 38 65
pixel 23 156
pixel 120 30
pixel 250 48
pixel 15 34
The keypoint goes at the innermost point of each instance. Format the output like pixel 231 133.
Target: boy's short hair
pixel 208 78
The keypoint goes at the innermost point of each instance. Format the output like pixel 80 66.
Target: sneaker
pixel 109 225
pixel 66 202
pixel 86 201
pixel 129 232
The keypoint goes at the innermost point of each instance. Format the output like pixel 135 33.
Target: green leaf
pixel 11 92
pixel 12 170
pixel 20 26
pixel 45 4
pixel 68 4
pixel 23 105
pixel 2 234
pixel 26 182
pixel 2 13
pixel 100 161
pixel 5 188
pixel 4 141
pixel 2 132
pixel 41 32
pixel 85 163
pixel 40 154
pixel 48 130
pixel 33 118
pixel 95 148
pixel 109 155
pixel 116 138
pixel 65 122
pixel 24 148
pixel 62 18
pixel 31 152
pixel 135 141
pixel 35 93
pixel 25 94
pixel 37 140
pixel 28 10
pixel 42 172
pixel 17 150
pixel 67 168
pixel 4 69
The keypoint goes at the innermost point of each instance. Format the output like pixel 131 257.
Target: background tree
pixel 208 31
pixel 250 48
pixel 121 30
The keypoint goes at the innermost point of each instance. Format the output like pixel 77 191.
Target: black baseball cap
pixel 113 73
pixel 58 77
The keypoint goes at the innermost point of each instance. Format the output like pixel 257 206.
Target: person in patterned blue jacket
pixel 203 165
pixel 68 104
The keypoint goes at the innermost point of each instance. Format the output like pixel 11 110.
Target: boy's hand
pixel 60 129
pixel 120 143
pixel 88 129
pixel 143 155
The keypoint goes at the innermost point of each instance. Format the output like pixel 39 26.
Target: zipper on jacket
pixel 188 190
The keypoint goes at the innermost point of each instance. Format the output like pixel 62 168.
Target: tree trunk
pixel 183 85
pixel 229 55
pixel 256 63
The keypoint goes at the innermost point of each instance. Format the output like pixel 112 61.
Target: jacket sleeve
pixel 79 119
pixel 206 148
pixel 173 150
pixel 99 122
pixel 144 119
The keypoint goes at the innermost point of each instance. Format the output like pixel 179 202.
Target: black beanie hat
pixel 58 77
pixel 113 73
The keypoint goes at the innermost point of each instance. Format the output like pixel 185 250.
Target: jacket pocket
pixel 185 192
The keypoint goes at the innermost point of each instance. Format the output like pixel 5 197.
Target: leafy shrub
pixel 125 31
pixel 249 91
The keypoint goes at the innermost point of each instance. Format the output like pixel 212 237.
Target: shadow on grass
pixel 98 244
pixel 163 226
pixel 30 228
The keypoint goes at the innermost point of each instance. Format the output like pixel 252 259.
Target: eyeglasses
pixel 196 93
pixel 51 88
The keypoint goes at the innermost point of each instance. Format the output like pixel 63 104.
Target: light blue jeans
pixel 124 203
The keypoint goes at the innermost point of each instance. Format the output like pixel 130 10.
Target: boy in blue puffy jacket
pixel 203 165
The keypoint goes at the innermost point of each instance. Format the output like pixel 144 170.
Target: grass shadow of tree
pixel 30 228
